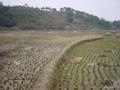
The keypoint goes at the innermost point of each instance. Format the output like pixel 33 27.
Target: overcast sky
pixel 108 9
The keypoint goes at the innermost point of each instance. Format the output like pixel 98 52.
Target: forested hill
pixel 25 17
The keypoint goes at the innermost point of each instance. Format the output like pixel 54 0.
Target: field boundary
pixel 47 82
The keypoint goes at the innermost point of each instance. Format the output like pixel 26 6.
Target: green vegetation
pixel 69 13
pixel 6 18
pixel 116 24
pixel 90 66
pixel 25 17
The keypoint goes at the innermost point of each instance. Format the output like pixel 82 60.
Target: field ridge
pixel 45 83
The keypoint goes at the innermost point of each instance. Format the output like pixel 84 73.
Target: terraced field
pixel 90 66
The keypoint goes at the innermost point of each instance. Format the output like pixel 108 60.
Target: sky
pixel 107 9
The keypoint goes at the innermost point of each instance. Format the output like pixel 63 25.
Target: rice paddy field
pixel 27 57
pixel 93 65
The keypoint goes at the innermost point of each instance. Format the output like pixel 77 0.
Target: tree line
pixel 26 17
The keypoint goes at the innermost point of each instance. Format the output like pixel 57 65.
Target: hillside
pixel 25 17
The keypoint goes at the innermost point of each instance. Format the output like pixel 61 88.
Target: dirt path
pixel 43 84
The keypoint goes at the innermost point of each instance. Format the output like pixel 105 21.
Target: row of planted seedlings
pixel 98 72
pixel 111 67
pixel 105 66
pixel 23 69
pixel 93 72
pixel 70 75
pixel 102 71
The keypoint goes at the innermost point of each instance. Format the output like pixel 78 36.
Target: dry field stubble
pixel 24 55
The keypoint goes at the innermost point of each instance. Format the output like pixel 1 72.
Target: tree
pixel 54 9
pixel 105 24
pixel 116 24
pixel 1 4
pixel 69 14
pixel 26 5
pixel 48 9
pixel 6 18
pixel 61 9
